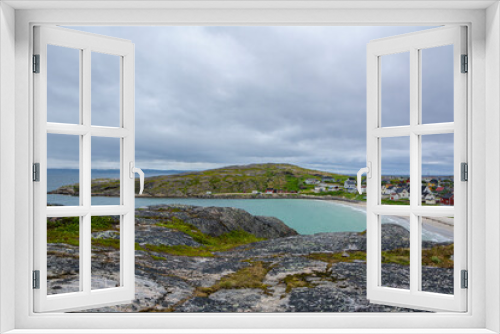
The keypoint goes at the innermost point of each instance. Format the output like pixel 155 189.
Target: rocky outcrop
pixel 324 272
pixel 215 221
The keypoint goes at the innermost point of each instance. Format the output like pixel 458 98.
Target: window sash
pixel 86 297
pixel 412 43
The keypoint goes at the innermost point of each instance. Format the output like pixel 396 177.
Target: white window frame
pixel 484 103
pixel 413 44
pixel 86 44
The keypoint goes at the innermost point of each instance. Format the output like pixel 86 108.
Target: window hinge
pixel 465 279
pixel 36 279
pixel 465 64
pixel 36 63
pixel 464 167
pixel 36 172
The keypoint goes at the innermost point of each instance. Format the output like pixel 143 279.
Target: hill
pixel 227 180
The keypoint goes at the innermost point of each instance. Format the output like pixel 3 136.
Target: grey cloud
pixel 213 96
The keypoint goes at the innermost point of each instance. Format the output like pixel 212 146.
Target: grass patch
pixel 106 243
pixel 296 281
pixel 391 202
pixel 246 278
pixel 438 256
pixel 64 230
pixel 399 256
pixel 67 229
pixel 210 244
pixel 332 258
pixel 158 258
pixel 169 209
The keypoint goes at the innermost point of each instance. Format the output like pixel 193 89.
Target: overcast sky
pixel 213 96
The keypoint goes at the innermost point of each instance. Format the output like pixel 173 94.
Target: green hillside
pixel 227 180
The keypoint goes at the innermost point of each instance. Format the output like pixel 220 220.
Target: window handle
pixel 139 171
pixel 368 171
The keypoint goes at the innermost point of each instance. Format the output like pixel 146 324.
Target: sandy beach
pixel 440 225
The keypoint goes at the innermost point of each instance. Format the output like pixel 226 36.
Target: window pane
pixel 437 254
pixel 105 90
pixel 437 170
pixel 105 171
pixel 63 255
pixel 63 169
pixel 63 85
pixel 437 84
pixel 395 167
pixel 395 252
pixel 395 89
pixel 105 252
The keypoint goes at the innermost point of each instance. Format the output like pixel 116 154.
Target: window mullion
pixel 85 171
pixel 414 168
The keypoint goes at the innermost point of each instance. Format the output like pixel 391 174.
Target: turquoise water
pixel 305 216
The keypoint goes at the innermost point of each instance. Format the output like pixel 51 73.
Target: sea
pixel 304 215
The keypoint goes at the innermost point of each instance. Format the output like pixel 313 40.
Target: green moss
pixel 337 257
pixel 438 256
pixel 435 260
pixel 251 277
pixel 67 229
pixel 221 243
pixel 106 243
pixel 399 256
pixel 169 209
pixel 158 258
pixel 63 230
pixel 296 281
pixel 104 223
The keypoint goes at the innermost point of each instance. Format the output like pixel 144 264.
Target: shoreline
pixel 440 225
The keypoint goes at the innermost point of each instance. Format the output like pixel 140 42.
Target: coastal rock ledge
pixel 215 221
pixel 206 259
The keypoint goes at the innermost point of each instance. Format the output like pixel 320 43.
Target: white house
pixel 430 199
pixel 350 184
pixel 311 181
pixel 319 189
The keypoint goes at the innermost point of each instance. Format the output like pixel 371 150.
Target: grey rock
pixel 170 283
pixel 215 221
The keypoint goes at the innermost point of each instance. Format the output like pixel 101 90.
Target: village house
pixel 319 189
pixel 388 190
pixel 429 199
pixel 399 193
pixel 311 181
pixel 270 191
pixel 334 187
pixel 439 189
pixel 349 184
pixel 448 199
pixel 328 179
pixel 426 190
